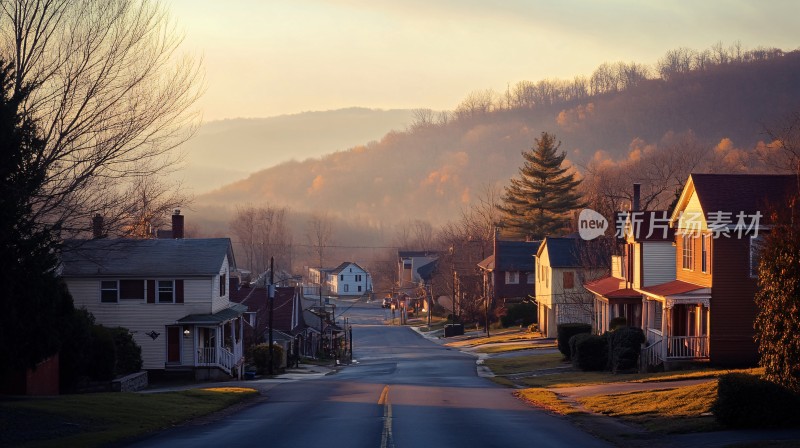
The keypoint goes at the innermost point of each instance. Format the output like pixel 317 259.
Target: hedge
pixel 567 331
pixel 747 401
pixel 624 348
pixel 589 351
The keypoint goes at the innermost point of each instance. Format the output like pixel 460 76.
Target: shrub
pixel 747 401
pixel 624 348
pixel 520 314
pixel 259 355
pixel 566 331
pixel 100 361
pixel 617 322
pixel 589 351
pixel 128 354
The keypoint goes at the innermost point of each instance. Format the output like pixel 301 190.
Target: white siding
pixel 693 207
pixel 345 283
pixel 220 302
pixel 659 263
pixel 141 317
pixel 543 285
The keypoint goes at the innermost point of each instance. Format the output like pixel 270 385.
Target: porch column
pixel 218 335
pixel 645 316
pixel 195 339
pixel 664 338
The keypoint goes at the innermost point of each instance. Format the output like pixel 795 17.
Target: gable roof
pixel 736 193
pixel 563 252
pixel 574 252
pixel 516 255
pixel 427 270
pixel 342 266
pixel 195 257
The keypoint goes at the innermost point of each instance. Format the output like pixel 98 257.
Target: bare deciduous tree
pixel 110 92
pixel 262 232
pixel 318 234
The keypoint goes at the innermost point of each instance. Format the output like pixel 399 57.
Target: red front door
pixel 174 344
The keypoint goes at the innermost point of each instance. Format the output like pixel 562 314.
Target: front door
pixel 174 345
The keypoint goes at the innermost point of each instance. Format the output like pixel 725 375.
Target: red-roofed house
pixel 648 258
pixel 708 311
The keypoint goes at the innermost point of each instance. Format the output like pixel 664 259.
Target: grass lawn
pixel 505 335
pixel 544 398
pixel 663 411
pixel 96 419
pixel 511 348
pixel 518 364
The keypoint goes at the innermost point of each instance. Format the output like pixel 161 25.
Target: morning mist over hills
pixel 432 169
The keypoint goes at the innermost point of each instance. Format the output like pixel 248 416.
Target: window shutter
pixel 178 291
pixel 151 291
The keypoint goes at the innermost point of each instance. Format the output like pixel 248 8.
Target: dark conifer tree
pixel 538 202
pixel 34 301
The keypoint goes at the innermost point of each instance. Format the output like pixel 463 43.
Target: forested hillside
pixel 718 101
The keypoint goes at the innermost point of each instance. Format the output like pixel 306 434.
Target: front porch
pixel 213 342
pixel 677 327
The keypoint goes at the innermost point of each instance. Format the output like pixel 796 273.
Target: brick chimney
pixel 637 194
pixel 177 224
pixel 97 226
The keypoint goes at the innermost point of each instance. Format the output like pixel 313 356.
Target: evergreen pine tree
pixel 35 302
pixel 537 202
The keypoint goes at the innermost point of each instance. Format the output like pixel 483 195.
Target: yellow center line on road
pixel 387 441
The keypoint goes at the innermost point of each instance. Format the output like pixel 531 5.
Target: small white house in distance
pixel 349 279
pixel 172 294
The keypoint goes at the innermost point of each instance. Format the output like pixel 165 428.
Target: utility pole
pixel 271 298
pixel 350 330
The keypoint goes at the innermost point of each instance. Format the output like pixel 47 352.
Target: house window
pixel 166 291
pixel 222 284
pixel 131 289
pixel 109 293
pixel 359 288
pixel 529 278
pixel 341 277
pixel 688 252
pixel 346 287
pixel 705 252
pixel 569 280
pixel 756 245
pixel 512 277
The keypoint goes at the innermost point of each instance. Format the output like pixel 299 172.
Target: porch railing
pixel 206 356
pixel 687 347
pixel 653 336
pixel 651 354
pixel 222 357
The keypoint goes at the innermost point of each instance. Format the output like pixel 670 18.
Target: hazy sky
pixel 272 57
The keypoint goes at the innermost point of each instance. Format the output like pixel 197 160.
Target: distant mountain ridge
pixel 431 172
pixel 225 150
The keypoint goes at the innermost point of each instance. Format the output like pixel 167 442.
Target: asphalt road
pixel 405 391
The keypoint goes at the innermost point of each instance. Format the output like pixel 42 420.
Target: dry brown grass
pixel 546 399
pixel 506 335
pixel 663 411
pixel 518 364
